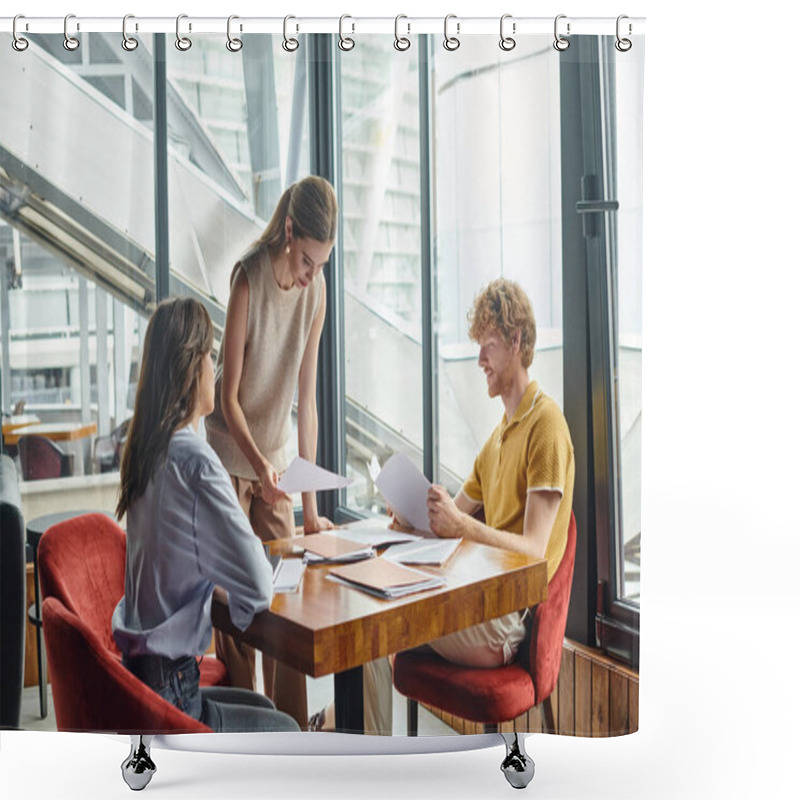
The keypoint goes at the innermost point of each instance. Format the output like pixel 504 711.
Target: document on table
pixel 303 476
pixel 406 490
pixel 433 552
pixel 384 579
pixel 324 548
pixel 372 532
pixel 286 572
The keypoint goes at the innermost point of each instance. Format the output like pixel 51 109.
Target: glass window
pixel 498 209
pixel 628 93
pixel 78 243
pixel 381 255
pixel 231 149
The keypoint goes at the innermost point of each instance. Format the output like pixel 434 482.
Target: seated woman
pixel 186 531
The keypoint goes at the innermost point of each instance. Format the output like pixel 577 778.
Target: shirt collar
pixel 526 404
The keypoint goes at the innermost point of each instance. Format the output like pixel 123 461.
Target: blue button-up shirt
pixel 186 534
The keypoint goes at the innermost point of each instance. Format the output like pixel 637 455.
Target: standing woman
pixel 275 316
pixel 186 531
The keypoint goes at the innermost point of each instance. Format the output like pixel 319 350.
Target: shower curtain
pixel 134 173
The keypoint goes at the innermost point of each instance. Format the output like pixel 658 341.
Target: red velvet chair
pixel 92 691
pixel 491 696
pixel 40 458
pixel 82 563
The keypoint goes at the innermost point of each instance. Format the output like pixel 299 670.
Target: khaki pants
pixel 490 644
pixel 378 697
pixel 286 686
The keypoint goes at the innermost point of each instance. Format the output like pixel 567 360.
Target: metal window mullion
pixel 161 165
pixel 101 328
pixel 599 314
pixel 121 368
pixel 577 388
pixel 85 367
pixel 430 339
pixel 325 154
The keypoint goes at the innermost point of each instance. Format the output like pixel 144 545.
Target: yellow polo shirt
pixel 532 452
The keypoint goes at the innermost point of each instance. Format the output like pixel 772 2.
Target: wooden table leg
pixel 348 694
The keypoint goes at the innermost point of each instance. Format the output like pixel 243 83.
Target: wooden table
pixel 69 432
pixel 55 431
pixel 328 628
pixel 16 421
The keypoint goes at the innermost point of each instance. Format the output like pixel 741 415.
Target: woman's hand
pixel 398 523
pixel 268 483
pixel 315 524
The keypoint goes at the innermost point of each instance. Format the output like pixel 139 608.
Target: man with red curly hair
pixel 523 476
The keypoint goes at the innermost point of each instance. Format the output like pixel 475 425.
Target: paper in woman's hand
pixel 303 476
pixel 406 490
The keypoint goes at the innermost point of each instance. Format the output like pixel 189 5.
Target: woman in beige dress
pixel 274 321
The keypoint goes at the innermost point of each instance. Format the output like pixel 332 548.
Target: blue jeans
pixel 224 709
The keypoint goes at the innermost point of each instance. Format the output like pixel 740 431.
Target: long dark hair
pixel 178 337
pixel 312 207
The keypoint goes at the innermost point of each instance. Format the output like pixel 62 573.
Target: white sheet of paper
pixel 290 573
pixel 303 476
pixel 372 532
pixel 406 490
pixel 433 552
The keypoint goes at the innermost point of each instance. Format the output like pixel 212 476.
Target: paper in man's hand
pixel 406 490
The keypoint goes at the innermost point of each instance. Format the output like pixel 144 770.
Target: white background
pixel 719 688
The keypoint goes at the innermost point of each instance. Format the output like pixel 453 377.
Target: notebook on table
pixel 385 579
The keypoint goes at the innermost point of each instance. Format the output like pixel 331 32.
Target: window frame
pixel 589 230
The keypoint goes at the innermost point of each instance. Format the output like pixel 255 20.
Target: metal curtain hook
pixel 346 42
pixel 507 42
pixel 234 44
pixel 451 42
pixel 623 45
pixel 70 42
pixel 560 43
pixel 183 43
pixel 401 42
pixel 19 43
pixel 290 44
pixel 129 43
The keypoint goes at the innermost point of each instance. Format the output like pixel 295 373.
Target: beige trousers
pixel 286 686
pixel 490 644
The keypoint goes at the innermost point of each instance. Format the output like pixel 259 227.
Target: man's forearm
pixel 479 532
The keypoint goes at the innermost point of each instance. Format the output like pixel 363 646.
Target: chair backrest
pixel 108 449
pixel 40 458
pixel 82 563
pixel 120 436
pixel 550 622
pixel 93 691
